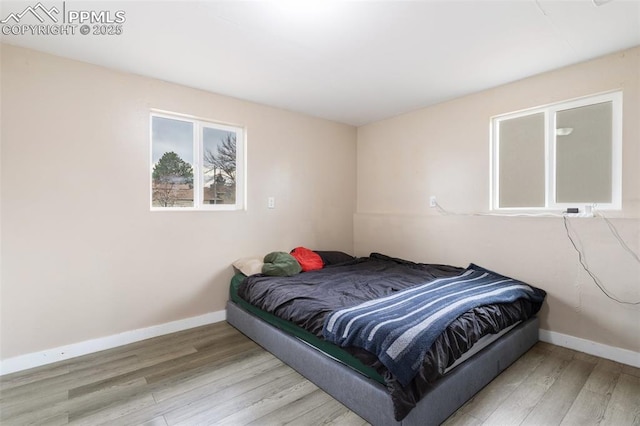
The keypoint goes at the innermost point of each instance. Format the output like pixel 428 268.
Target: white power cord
pixel 565 219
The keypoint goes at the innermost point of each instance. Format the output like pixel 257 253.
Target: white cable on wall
pixel 451 213
pixel 593 276
pixel 565 219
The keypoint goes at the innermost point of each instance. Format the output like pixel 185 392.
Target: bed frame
pixel 368 398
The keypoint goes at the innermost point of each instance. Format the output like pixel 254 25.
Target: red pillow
pixel 309 260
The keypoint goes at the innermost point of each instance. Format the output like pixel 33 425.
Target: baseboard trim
pixel 36 359
pixel 49 356
pixel 601 350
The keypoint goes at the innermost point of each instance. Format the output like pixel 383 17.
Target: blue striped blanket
pixel 401 328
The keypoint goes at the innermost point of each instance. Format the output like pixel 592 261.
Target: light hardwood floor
pixel 215 375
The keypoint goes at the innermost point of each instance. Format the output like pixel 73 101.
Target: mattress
pixel 369 399
pixel 299 305
pixel 331 350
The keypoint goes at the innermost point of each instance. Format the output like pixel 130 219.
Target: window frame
pixel 550 141
pixel 198 162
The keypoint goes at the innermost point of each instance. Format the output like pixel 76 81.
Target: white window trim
pixel 241 162
pixel 550 161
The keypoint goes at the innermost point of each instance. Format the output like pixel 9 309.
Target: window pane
pixel 219 158
pixel 583 154
pixel 522 159
pixel 172 162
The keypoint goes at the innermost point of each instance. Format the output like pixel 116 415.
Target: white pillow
pixel 249 265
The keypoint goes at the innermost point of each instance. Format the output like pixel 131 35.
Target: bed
pixel 290 317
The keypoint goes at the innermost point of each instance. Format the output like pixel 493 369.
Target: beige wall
pixel 82 255
pixel 444 151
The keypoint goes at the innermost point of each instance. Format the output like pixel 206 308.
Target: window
pixel 195 164
pixel 558 156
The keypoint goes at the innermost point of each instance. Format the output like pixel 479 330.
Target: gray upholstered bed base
pixel 368 398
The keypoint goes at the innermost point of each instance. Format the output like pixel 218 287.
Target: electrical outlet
pixel 432 201
pixel 271 202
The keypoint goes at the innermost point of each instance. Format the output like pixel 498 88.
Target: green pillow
pixel 280 264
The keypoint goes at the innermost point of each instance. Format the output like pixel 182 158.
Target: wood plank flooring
pixel 215 375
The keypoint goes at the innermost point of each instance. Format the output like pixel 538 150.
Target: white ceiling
pixel 352 62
